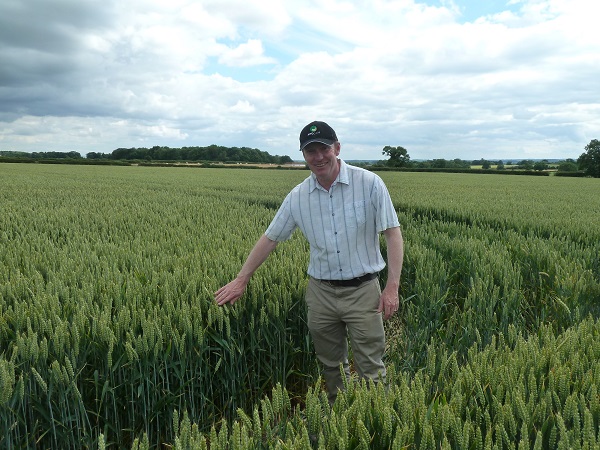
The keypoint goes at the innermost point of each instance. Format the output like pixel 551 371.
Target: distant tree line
pixel 41 155
pixel 213 153
pixel 587 164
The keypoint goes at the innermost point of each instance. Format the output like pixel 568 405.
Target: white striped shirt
pixel 342 225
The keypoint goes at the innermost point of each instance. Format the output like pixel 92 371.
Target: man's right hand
pixel 231 292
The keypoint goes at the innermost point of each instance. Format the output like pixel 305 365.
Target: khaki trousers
pixel 338 313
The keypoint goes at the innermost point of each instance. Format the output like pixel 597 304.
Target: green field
pixel 110 337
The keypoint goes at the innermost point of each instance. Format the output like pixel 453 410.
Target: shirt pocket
pixel 355 214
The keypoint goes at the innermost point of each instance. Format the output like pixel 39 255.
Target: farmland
pixel 110 337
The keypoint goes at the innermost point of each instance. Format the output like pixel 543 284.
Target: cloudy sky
pixel 444 79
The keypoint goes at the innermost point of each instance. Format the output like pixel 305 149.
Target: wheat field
pixel 110 337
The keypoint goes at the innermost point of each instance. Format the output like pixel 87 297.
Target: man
pixel 341 210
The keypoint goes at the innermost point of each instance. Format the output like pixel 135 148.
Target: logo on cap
pixel 313 128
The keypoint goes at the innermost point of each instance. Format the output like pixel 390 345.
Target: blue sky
pixel 471 10
pixel 445 79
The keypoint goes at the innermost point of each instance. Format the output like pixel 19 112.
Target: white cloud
pixel 243 106
pixel 248 54
pixel 102 75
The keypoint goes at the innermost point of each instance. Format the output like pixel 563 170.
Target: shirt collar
pixel 341 178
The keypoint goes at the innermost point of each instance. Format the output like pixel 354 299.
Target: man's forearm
pixel 395 255
pixel 233 290
pixel 389 301
pixel 261 251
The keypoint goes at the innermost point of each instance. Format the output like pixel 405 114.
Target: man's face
pixel 322 159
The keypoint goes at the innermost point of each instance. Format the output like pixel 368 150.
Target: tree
pixel 526 164
pixel 568 166
pixel 439 163
pixel 590 160
pixel 96 155
pixel 458 163
pixel 399 157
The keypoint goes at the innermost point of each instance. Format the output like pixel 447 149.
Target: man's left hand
pixel 388 302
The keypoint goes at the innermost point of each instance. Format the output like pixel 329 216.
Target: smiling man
pixel 340 209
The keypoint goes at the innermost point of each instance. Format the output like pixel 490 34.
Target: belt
pixel 354 282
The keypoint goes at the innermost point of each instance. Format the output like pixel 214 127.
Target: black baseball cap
pixel 317 132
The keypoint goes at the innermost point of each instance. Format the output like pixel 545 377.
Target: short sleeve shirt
pixel 342 225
